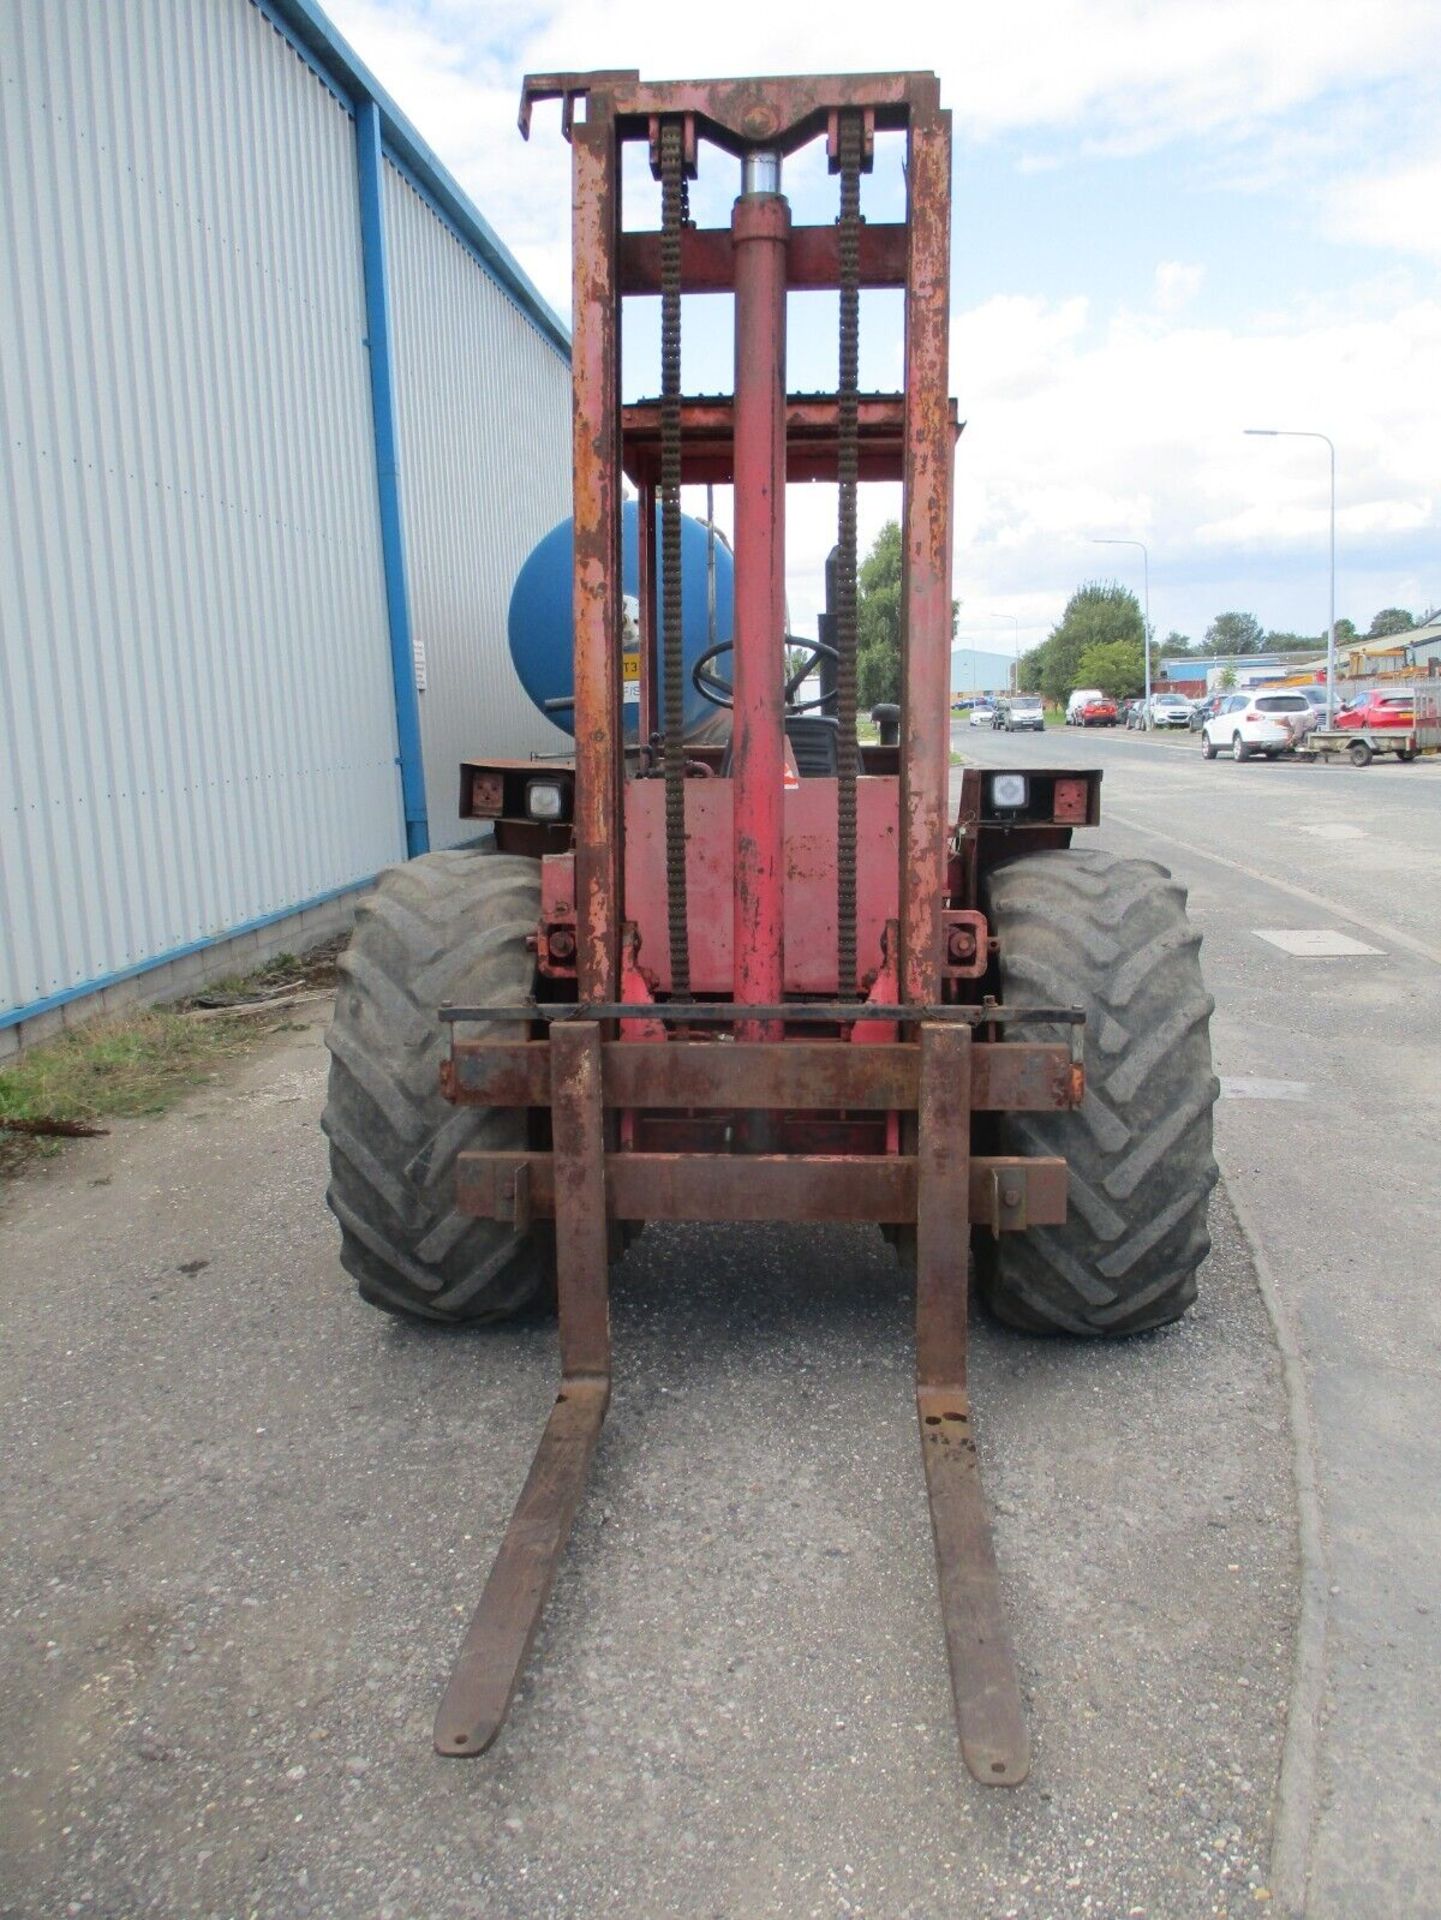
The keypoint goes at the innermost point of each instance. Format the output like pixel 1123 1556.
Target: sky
pixel 1171 222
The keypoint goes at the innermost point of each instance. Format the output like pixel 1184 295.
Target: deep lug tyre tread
pixel 1109 935
pixel 446 927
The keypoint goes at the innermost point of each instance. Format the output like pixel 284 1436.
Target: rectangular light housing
pixel 544 800
pixel 1009 790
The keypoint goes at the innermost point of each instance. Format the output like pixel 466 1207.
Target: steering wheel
pixel 721 693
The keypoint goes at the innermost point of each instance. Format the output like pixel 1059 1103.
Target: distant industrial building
pixel 974 670
pixel 283 418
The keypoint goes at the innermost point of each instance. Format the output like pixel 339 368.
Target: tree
pixel 1028 670
pixel 878 619
pixel 1115 666
pixel 1287 642
pixel 1388 621
pixel 1176 644
pixel 1234 633
pixel 1228 679
pixel 1095 615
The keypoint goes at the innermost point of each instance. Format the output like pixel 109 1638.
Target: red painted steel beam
pixel 708 438
pixel 926 560
pixel 760 224
pixel 781 113
pixel 707 259
pixel 801 1076
pixel 597 578
pixel 755 1186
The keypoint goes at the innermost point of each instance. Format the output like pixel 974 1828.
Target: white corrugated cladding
pixel 483 414
pixel 197 727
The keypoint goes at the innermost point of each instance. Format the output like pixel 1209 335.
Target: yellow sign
pixel 630 666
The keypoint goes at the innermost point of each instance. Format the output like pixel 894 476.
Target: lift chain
pixel 848 752
pixel 674 211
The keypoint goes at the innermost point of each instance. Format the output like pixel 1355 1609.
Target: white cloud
pixel 1082 419
pixel 1123 78
pixel 1177 285
pixel 1400 209
pixel 1136 430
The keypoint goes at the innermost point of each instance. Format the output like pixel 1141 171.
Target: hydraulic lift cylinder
pixel 760 228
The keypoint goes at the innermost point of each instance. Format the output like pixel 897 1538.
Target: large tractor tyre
pixel 1109 935
pixel 447 927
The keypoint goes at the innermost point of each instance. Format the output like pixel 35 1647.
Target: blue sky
pixel 1171 221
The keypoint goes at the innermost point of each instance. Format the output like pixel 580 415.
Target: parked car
pixel 1089 707
pixel 983 716
pixel 1170 710
pixel 1133 713
pixel 1022 712
pixel 1315 698
pixel 1257 723
pixel 1207 709
pixel 1394 708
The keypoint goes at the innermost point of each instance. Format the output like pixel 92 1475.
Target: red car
pixel 1096 713
pixel 1375 709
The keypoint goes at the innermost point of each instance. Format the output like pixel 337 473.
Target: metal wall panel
pixel 483 407
pixel 196 720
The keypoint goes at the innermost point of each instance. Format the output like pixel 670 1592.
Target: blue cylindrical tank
pixel 541 643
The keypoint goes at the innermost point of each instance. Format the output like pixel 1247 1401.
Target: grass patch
pixel 142 1063
pixel 111 1069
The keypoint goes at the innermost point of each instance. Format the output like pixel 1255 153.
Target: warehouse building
pixel 283 418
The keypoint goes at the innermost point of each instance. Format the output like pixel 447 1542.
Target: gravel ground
pixel 246 1517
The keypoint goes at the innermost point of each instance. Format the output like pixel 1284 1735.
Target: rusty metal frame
pixel 498 1641
pixel 1006 1193
pixel 926 557
pixel 924 1089
pixel 595 375
pixel 814 1075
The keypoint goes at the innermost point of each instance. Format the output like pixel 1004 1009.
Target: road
pixel 244 1517
pixel 1331 1065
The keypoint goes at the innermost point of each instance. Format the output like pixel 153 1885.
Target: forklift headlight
pixel 1009 790
pixel 544 800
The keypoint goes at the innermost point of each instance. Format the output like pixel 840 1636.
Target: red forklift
pixel 775 975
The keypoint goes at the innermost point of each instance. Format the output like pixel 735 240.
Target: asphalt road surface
pixel 244 1517
pixel 1329 1137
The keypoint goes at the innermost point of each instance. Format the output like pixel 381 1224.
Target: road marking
pixel 1397 938
pixel 1321 943
pixel 1337 831
pixel 1250 1087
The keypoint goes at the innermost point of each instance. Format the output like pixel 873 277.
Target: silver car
pixel 1170 710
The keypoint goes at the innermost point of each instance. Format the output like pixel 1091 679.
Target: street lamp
pixel 1309 433
pixel 1146 619
pixel 1016 656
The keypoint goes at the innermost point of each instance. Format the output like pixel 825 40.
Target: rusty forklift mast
pixel 746 995
pixel 761 1075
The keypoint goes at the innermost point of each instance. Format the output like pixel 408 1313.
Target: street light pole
pixel 1015 673
pixel 1145 619
pixel 1309 433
